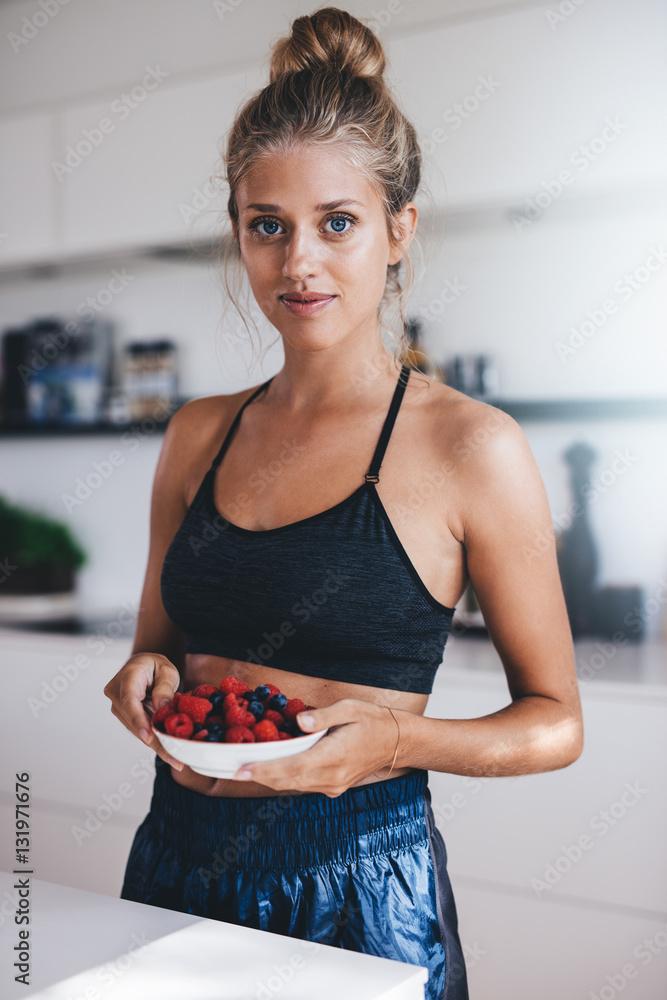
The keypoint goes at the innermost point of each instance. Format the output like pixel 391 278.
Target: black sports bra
pixel 333 595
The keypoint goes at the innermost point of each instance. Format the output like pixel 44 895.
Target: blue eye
pixel 272 224
pixel 339 224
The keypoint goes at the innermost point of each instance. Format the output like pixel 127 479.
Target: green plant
pixel 28 538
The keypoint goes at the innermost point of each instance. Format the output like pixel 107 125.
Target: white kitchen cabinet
pixel 27 205
pixel 531 92
pixel 523 834
pixel 147 179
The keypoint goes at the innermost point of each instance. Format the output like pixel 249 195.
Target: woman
pixel 301 566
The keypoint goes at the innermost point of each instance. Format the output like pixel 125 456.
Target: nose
pixel 300 257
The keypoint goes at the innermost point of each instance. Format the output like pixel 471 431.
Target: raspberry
pixel 203 691
pixel 201 735
pixel 237 716
pixel 196 708
pixel 215 720
pixel 179 725
pixel 274 717
pixel 292 709
pixel 282 735
pixel 175 700
pixel 162 713
pixel 231 699
pixel 239 734
pixel 233 685
pixel 265 731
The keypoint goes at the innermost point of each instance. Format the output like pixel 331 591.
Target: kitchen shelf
pixel 520 409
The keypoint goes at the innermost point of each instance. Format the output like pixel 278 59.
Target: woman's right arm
pixel 158 652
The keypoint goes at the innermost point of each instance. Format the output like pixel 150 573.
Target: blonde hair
pixel 326 85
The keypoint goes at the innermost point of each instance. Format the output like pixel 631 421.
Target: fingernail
pixel 243 775
pixel 145 735
pixel 305 721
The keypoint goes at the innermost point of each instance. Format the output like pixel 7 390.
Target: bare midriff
pixel 315 691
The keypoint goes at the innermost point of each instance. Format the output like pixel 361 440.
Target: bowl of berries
pixel 215 730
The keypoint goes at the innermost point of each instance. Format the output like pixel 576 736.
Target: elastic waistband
pixel 289 832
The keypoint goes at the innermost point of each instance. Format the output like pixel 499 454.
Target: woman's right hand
pixel 128 689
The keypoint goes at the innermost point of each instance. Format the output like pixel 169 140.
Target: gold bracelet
pixel 397 740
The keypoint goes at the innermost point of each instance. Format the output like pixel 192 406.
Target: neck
pixel 324 379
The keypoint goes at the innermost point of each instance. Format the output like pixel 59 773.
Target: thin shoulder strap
pixel 373 474
pixel 225 444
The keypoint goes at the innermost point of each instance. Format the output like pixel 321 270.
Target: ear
pixel 404 229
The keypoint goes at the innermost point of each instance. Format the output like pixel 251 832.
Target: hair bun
pixel 328 38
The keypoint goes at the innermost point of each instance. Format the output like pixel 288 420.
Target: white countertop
pixel 83 941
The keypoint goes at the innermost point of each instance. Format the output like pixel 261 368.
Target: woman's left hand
pixel 361 740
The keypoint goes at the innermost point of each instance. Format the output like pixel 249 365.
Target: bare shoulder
pixel 481 451
pixel 195 432
pixel 467 428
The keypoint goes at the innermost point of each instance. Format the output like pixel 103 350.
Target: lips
pixel 305 296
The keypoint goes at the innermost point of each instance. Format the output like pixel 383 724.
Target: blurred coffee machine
pixel 57 372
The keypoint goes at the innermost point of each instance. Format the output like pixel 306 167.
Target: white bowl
pixel 222 760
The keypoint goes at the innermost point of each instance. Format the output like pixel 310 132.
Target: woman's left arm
pixel 511 557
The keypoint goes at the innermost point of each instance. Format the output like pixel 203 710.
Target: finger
pixel 289 772
pixel 165 684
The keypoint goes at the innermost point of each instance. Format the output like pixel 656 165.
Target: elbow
pixel 573 746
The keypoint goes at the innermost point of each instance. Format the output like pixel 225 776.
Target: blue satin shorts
pixel 366 871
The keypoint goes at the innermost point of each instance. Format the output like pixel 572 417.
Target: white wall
pixel 527 283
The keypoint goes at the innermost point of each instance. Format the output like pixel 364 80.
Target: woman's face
pixel 310 224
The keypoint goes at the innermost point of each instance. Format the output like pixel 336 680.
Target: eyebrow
pixel 326 206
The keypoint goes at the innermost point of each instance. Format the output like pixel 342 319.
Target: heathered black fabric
pixel 334 595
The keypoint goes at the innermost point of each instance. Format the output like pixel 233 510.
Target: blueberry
pixel 248 695
pixel 262 692
pixel 278 702
pixel 197 727
pixel 212 738
pixel 256 708
pixel 213 727
pixel 216 699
